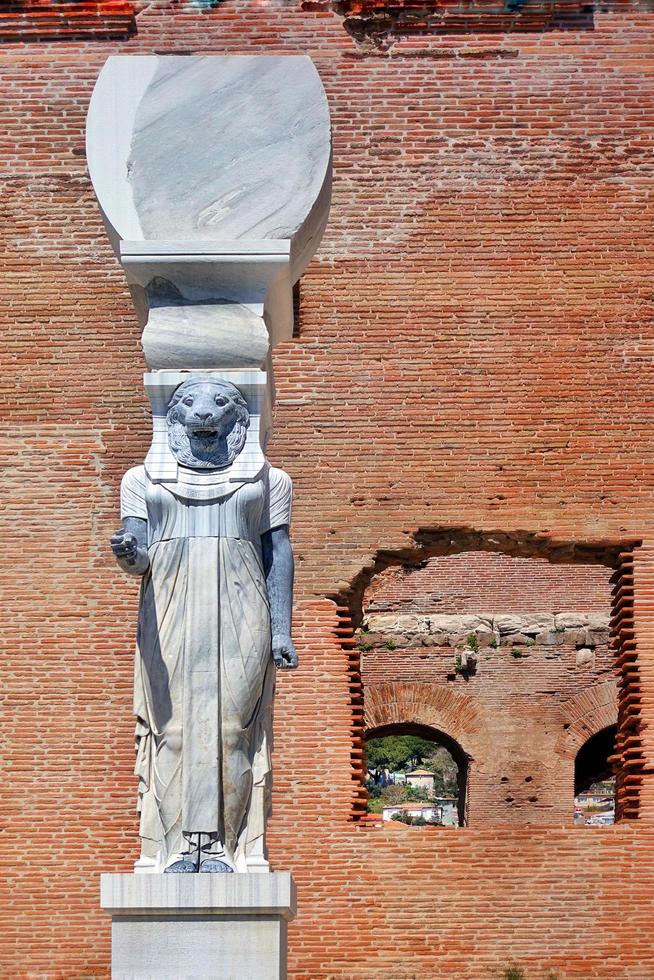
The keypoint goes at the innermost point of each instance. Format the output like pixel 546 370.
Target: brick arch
pixel 588 713
pixel 430 705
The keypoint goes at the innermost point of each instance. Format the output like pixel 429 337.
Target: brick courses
pixel 39 20
pixel 474 355
pixel 474 582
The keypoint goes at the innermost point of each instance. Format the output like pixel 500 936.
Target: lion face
pixel 207 423
pixel 206 413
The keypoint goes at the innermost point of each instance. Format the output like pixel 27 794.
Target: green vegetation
pixel 402 753
pixel 473 642
pixel 398 752
pixel 517 973
pixel 390 645
pixel 381 796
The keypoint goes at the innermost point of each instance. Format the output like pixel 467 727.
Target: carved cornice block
pixel 211 304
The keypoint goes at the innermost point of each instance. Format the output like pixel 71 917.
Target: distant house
pixel 595 809
pixel 430 812
pixel 441 811
pixel 604 800
pixel 421 779
pixel 601 819
pixel 449 809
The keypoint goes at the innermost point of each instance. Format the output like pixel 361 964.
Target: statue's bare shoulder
pixel 134 477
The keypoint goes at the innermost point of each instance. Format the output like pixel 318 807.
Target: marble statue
pixel 213 178
pixel 213 551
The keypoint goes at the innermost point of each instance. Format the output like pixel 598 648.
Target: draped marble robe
pixel 204 677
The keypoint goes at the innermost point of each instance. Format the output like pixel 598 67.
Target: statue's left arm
pixel 279 569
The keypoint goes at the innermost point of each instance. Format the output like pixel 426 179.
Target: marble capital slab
pixel 213 175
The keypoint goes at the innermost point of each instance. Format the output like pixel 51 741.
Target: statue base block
pixel 183 926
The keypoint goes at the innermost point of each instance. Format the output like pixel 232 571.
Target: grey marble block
pixel 178 927
pixel 204 335
pixel 233 147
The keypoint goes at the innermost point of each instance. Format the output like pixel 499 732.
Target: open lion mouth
pixel 204 433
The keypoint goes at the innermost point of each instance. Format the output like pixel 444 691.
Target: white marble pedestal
pixel 199 926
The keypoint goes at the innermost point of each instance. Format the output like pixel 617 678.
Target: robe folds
pixel 204 673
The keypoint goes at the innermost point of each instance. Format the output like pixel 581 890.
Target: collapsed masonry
pixel 520 694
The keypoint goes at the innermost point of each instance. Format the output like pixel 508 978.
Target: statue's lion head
pixel 207 423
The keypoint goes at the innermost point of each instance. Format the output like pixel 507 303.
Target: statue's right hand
pixel 124 546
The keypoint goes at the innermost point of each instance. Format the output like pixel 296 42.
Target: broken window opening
pixel 589 650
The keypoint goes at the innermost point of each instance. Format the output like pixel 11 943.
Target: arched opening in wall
pixel 595 779
pixel 415 775
pixel 511 644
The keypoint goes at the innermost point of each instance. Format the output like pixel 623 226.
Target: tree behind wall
pixel 401 753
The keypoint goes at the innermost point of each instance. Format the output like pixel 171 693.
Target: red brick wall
pixel 66 20
pixel 526 689
pixel 478 581
pixel 520 701
pixel 475 353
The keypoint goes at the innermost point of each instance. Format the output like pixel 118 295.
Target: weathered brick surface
pixel 476 582
pixel 475 353
pixel 379 22
pixel 67 20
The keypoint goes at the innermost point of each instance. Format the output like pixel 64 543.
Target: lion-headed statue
pixel 207 420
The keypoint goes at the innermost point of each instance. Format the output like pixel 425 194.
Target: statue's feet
pixel 214 865
pixel 184 866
